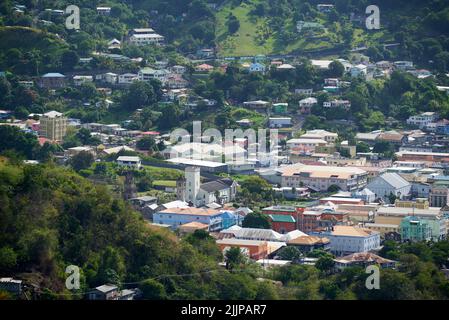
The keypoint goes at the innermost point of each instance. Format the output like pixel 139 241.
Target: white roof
pixel 195 162
pixel 106 288
pixel 128 159
pixel 53 114
pixel 176 204
pixel 117 149
pixel 304 140
pixel 323 64
pixel 394 179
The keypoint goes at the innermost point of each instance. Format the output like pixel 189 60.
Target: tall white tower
pixel 192 184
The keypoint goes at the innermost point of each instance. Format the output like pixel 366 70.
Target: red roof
pixel 151 133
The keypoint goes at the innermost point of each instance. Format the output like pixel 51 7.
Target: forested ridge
pixel 50 218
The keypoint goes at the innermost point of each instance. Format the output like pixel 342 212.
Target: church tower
pixel 192 184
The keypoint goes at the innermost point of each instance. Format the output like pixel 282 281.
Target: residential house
pixel 149 38
pixel 204 68
pixel 329 137
pixel 11 285
pixel 305 145
pixel 279 122
pixel 363 259
pixel 79 80
pixel 105 292
pixel 305 105
pixel 345 104
pixel 422 120
pixel 127 78
pixel 110 77
pixel 129 161
pixel 359 70
pixel 52 81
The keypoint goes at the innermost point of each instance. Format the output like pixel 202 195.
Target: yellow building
pixel 420 203
pixel 382 228
pixel 53 126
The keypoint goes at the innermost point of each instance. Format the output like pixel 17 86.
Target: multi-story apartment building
pixel 320 178
pixel 53 126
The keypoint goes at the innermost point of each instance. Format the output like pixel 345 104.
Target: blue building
pixel 176 217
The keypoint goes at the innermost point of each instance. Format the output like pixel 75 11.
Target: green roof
pixel 281 218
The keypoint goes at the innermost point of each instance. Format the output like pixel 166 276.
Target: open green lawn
pixel 255 35
pixel 244 41
pixel 165 183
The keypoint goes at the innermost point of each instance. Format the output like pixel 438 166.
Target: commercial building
pixel 320 178
pixel 349 239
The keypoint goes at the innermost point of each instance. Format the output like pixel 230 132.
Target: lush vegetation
pixel 51 218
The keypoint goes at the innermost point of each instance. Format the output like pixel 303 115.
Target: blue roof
pixel 228 215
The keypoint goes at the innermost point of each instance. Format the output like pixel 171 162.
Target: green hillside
pixel 29 38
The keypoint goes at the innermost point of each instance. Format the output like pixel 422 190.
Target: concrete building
pixel 320 178
pixel 175 217
pixel 389 184
pixel 327 136
pixel 349 239
pixel 53 126
pixel 439 194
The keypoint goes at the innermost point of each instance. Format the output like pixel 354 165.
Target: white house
pixel 146 39
pixel 305 105
pixel 346 104
pixel 110 77
pixel 146 74
pixel 422 120
pixel 359 70
pixel 79 80
pixel 127 78
pixel 279 122
pixel 127 161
